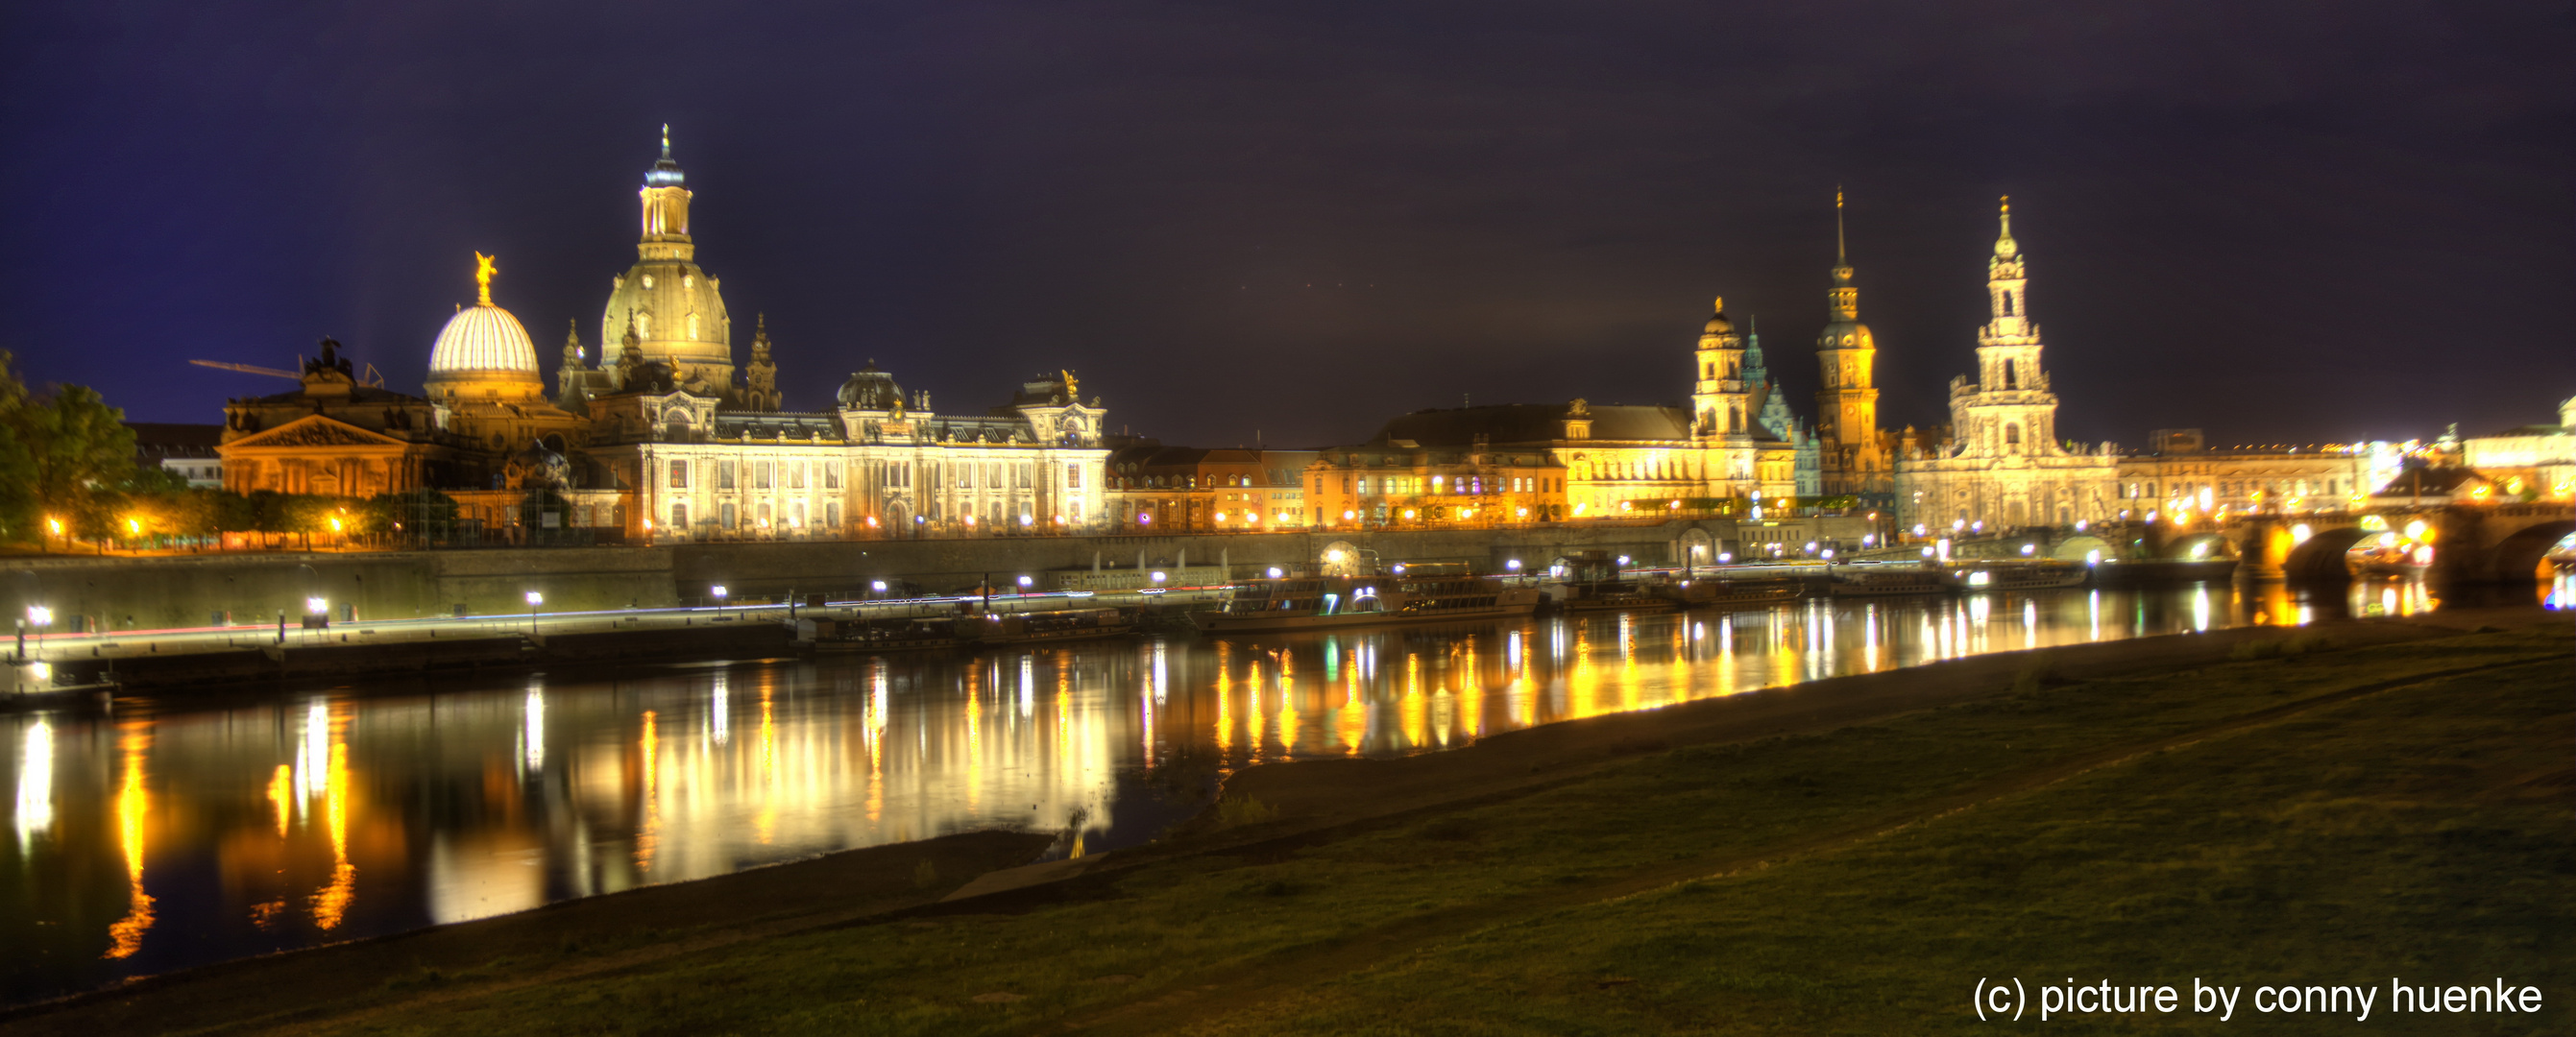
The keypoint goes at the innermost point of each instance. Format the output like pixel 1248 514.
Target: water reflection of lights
pixel 331 903
pixel 35 812
pixel 719 709
pixel 133 809
pixel 637 784
pixel 2200 609
pixel 532 737
pixel 648 834
pixel 312 753
pixel 281 796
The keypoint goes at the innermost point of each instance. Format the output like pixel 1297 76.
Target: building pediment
pixel 316 430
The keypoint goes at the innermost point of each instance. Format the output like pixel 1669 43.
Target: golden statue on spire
pixel 483 274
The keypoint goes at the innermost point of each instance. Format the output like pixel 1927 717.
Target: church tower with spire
pixel 677 313
pixel 1854 451
pixel 2008 411
pixel 2005 467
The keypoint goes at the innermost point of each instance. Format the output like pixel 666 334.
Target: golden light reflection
pixel 281 796
pixel 764 824
pixel 1471 693
pixel 876 729
pixel 133 808
pixel 1584 684
pixel 331 903
pixel 1063 708
pixel 1350 723
pixel 1412 712
pixel 1224 701
pixel 649 746
pixel 974 741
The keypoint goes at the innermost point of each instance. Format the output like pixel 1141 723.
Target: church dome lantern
pixel 676 310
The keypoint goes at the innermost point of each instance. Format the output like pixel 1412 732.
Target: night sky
pixel 2280 222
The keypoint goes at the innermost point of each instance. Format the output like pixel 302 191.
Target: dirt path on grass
pixel 1282 973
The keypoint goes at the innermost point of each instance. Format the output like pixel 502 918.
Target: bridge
pixel 2472 543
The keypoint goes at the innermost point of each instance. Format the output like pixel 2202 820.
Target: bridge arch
pixel 2321 555
pixel 2517 557
pixel 2200 547
pixel 1695 547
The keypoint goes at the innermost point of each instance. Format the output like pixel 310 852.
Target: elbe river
pixel 192 829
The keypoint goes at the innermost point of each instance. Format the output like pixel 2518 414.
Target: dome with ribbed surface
pixel 483 340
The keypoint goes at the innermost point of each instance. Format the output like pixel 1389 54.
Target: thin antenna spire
pixel 666 140
pixel 1840 253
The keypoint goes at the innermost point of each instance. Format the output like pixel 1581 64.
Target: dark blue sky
pixel 2281 222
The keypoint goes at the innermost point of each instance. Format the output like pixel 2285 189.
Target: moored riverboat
pixel 1708 592
pixel 1875 582
pixel 2016 575
pixel 1335 602
pixel 994 629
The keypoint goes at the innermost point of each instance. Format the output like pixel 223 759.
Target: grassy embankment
pixel 2327 816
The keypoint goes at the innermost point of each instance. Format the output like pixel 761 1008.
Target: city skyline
pixel 2174 290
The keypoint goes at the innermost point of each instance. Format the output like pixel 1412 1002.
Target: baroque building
pixel 336 438
pixel 665 436
pixel 2532 462
pixel 1549 462
pixel 1153 487
pixel 2006 467
pixel 2178 475
pixel 1854 455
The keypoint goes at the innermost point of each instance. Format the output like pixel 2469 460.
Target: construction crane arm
pixel 247 369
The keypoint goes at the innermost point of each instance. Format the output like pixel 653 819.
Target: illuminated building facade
pixel 336 438
pixel 1542 462
pixel 2533 462
pixel 2180 475
pixel 2006 467
pixel 1197 489
pixel 669 438
pixel 1392 481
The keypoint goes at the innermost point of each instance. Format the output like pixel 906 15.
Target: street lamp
pixel 719 592
pixel 41 617
pixel 534 599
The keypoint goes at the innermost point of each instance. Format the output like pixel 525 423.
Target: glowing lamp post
pixel 719 591
pixel 39 617
pixel 534 599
